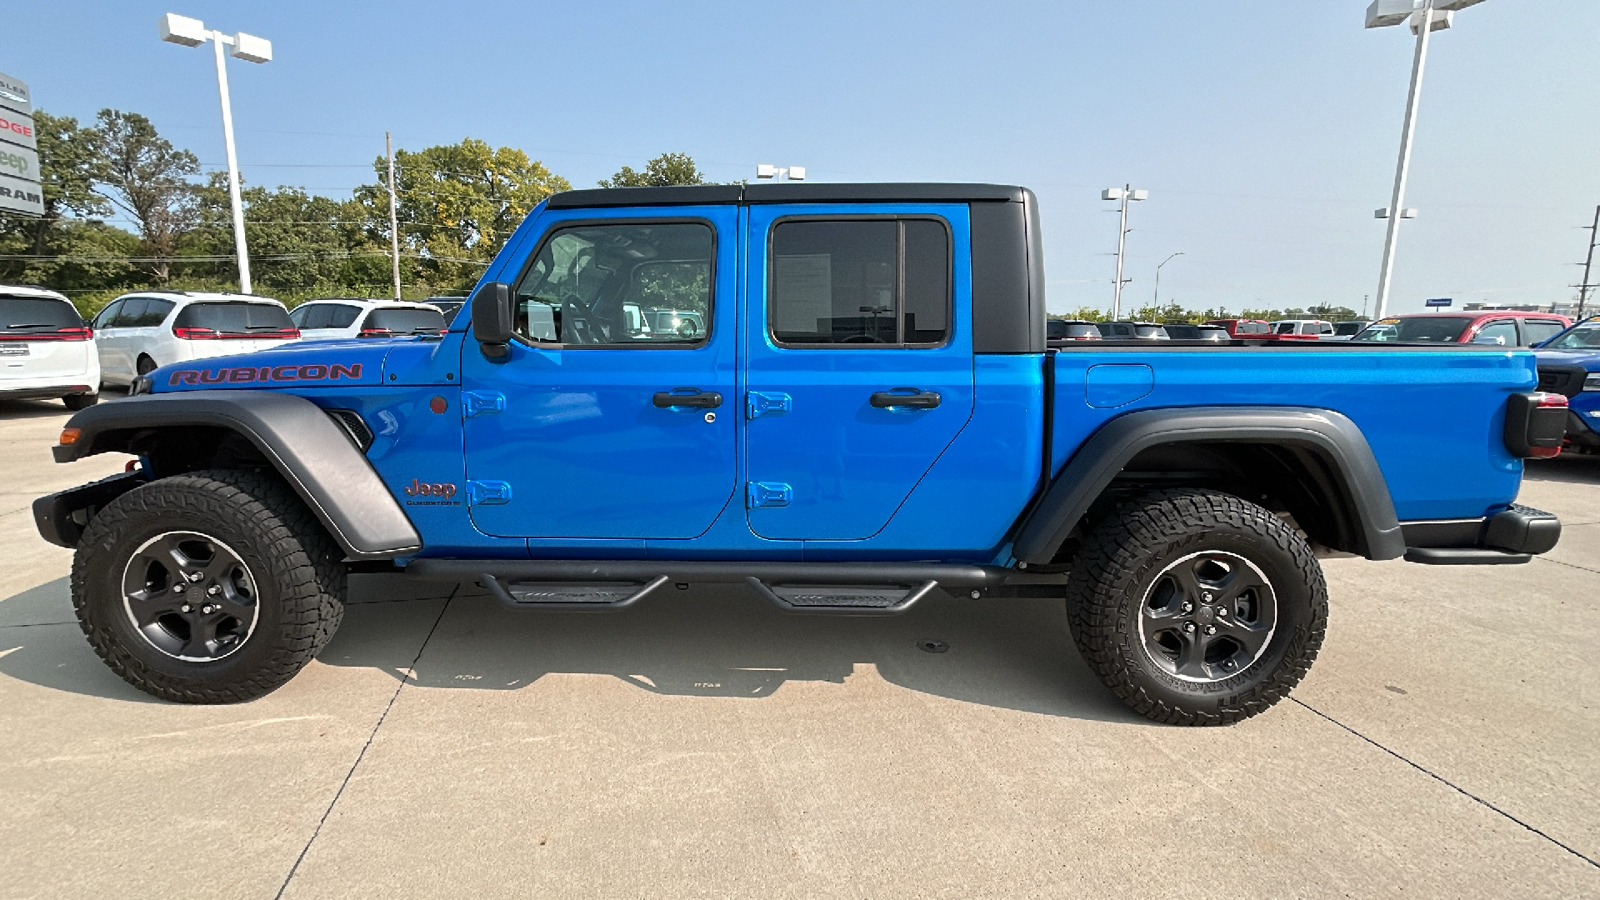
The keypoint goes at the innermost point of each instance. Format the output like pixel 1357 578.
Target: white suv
pixel 335 318
pixel 45 349
pixel 144 331
pixel 1304 327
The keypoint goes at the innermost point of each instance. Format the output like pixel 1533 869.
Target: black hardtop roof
pixel 788 192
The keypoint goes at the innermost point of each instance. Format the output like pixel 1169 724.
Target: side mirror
pixel 491 319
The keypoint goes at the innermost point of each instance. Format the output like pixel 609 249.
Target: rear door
pixel 591 427
pixel 858 361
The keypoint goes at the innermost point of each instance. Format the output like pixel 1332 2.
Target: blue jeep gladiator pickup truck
pixel 866 409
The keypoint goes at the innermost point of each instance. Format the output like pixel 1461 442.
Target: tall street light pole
pixel 192 33
pixel 1426 17
pixel 1125 194
pixel 1157 301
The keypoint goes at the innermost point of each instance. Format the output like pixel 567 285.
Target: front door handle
pixel 912 398
pixel 692 397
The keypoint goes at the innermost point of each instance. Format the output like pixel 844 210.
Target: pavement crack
pixel 1568 565
pixel 1448 783
pixel 37 624
pixel 411 673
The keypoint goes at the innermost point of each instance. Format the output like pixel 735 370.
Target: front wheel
pixel 1197 608
pixel 208 587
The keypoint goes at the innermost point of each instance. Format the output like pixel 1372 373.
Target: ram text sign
pixel 20 190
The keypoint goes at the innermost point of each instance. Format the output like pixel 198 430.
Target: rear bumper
pixel 1513 535
pixel 45 389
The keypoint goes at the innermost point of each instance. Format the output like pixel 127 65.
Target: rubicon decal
pixel 266 374
pixel 438 494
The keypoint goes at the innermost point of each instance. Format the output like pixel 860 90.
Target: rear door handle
pixel 912 398
pixel 692 397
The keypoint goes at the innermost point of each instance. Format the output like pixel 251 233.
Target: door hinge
pixel 767 403
pixel 765 494
pixel 488 493
pixel 482 403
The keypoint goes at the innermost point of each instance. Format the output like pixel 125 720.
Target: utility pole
pixel 394 218
pixel 1583 289
pixel 1396 212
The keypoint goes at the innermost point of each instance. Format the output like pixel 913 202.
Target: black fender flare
pixel 312 453
pixel 1103 456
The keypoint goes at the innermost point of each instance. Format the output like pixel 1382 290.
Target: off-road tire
pixel 1126 552
pixel 76 402
pixel 298 573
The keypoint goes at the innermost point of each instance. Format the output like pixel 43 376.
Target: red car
pixel 1505 327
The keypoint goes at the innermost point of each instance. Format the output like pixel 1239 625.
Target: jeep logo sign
pixel 20 190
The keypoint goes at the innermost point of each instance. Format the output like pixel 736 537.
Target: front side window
pixel 860 281
pixel 625 284
pixel 1503 332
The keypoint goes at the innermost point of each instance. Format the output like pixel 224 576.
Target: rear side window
pixel 405 321
pixel 234 318
pixel 1536 330
pixel 1183 332
pixel 153 314
pixel 1286 328
pixel 861 281
pixel 324 315
pixel 25 314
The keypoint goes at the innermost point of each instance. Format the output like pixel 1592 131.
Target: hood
pixel 321 363
pixel 1588 359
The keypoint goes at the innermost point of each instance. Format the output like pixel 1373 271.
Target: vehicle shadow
pixel 1568 468
pixel 710 641
pixel 32 409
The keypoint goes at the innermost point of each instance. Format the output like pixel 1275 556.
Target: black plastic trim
pixel 1463 556
pixel 1522 529
pixel 786 192
pixel 1530 426
pixel 708 572
pixel 310 450
pixel 1008 314
pixel 57 516
pixel 685 195
pixel 1097 463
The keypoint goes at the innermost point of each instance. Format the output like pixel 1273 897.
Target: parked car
pixel 1071 330
pixel 1183 331
pixel 1304 329
pixel 1176 503
pixel 46 351
pixel 138 333
pixel 337 318
pixel 1508 328
pixel 1132 331
pixel 681 322
pixel 1569 364
pixel 1249 329
pixel 1344 331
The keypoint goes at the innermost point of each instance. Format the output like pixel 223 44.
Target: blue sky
pixel 1266 132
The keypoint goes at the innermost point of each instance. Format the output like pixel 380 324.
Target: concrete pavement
pixel 702 744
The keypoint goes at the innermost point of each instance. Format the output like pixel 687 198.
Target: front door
pixel 858 361
pixel 613 416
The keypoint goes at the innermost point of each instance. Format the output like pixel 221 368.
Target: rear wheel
pixel 1197 608
pixel 209 587
pixel 80 401
pixel 145 365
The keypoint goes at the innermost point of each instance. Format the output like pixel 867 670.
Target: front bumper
pixel 62 517
pixel 1513 535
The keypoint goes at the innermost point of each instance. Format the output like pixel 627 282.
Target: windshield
pixel 1582 336
pixel 234 318
pixel 37 314
pixel 1442 329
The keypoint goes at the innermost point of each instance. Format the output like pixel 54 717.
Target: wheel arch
pixel 1314 464
pixel 287 433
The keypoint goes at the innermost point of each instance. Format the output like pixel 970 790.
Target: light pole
pixel 1426 17
pixel 781 173
pixel 1157 301
pixel 1125 194
pixel 192 33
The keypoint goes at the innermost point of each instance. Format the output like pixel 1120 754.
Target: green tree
pixel 458 204
pixel 298 243
pixel 664 171
pixel 148 178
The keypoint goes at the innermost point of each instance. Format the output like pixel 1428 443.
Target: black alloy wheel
pixel 190 596
pixel 1208 616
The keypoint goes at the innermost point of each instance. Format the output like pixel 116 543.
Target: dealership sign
pixel 20 181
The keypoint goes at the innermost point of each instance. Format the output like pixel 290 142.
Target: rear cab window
pixel 866 282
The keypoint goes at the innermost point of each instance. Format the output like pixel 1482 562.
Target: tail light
pixel 60 334
pixel 189 333
pixel 376 332
pixel 1536 424
pixel 196 334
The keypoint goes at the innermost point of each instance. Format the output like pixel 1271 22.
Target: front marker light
pixel 1591 382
